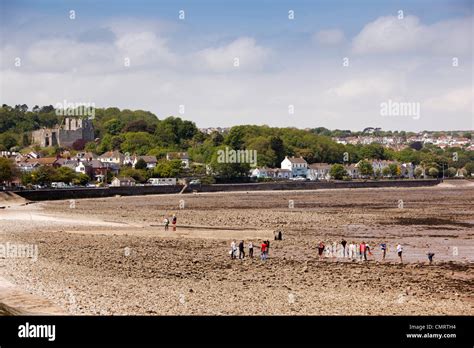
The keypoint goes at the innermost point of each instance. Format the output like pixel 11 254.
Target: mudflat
pixel 113 256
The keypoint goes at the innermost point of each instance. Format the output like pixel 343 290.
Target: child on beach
pixel 166 221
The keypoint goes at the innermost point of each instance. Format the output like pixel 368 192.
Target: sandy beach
pixel 112 255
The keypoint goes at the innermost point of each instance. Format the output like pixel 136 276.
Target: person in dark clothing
pixel 241 250
pixel 430 257
pixel 268 247
pixel 343 243
pixel 280 237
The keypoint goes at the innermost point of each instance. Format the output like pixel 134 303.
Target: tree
pixel 418 172
pixel 469 167
pixel 8 170
pixel 451 172
pixel 386 171
pixel 64 174
pixel 168 169
pixel 433 172
pixel 81 179
pixel 141 164
pixel 338 172
pixel 394 169
pixel 365 168
pixel 44 175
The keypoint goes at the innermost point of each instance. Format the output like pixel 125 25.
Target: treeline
pixel 142 133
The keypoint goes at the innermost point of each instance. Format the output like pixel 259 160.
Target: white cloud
pixel 329 37
pixel 244 50
pixel 392 35
pixel 457 100
pixel 363 87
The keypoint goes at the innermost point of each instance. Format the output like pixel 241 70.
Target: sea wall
pixel 76 193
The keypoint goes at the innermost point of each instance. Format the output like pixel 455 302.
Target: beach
pixel 112 256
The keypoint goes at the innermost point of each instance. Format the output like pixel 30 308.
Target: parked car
pixel 195 182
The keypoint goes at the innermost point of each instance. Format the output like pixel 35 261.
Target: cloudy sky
pixel 299 63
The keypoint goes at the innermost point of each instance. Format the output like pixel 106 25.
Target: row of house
pixel 398 142
pixel 96 167
pixel 293 167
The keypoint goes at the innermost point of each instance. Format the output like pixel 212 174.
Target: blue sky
pixel 282 62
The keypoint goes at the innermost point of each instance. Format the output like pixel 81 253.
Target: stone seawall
pixel 76 193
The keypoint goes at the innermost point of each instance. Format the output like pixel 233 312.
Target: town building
pixel 319 171
pixel 123 181
pixel 296 165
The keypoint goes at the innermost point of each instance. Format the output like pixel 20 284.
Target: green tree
pixel 81 179
pixel 394 169
pixel 64 174
pixel 365 168
pixel 8 170
pixel 44 175
pixel 433 172
pixel 338 172
pixel 141 164
pixel 168 169
pixel 469 167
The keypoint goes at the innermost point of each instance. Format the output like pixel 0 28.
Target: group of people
pixel 353 250
pixel 264 250
pixel 358 251
pixel 166 222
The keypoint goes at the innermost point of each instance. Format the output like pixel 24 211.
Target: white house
pixel 149 160
pixel 274 173
pixel 319 171
pixel 112 157
pixel 352 171
pixel 296 165
pixel 123 181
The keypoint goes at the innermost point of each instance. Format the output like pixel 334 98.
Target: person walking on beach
pixel 352 251
pixel 263 251
pixel 166 221
pixel 363 251
pixel 320 249
pixel 343 243
pixel 267 251
pixel 233 249
pixel 368 250
pixel 399 252
pixel 251 250
pixel 383 247
pixel 174 222
pixel 430 257
pixel 241 250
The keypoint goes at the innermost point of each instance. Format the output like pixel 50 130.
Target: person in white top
pixel 233 249
pixel 251 250
pixel 399 251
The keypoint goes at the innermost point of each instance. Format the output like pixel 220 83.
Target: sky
pixel 333 63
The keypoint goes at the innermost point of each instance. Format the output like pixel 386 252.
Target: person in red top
pixel 363 250
pixel 263 254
